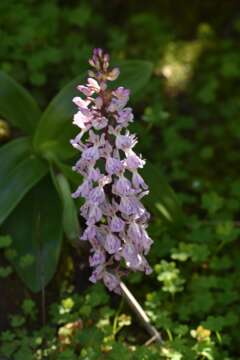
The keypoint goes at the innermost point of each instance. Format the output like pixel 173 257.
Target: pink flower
pixel 81 120
pixel 80 102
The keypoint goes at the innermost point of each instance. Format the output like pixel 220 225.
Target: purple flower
pixel 112 244
pixel 117 224
pixel 100 122
pixel 113 166
pixel 83 190
pixel 139 237
pixel 131 256
pixel 97 274
pixel 128 205
pixel 91 154
pixel 106 208
pixel 133 162
pixel 134 232
pixel 115 217
pixel 146 241
pixel 97 258
pixel 91 212
pixel 119 100
pixel 96 195
pixel 125 142
pixel 125 116
pixel 94 174
pixel 111 282
pixel 89 233
pixel 138 181
pixel 123 187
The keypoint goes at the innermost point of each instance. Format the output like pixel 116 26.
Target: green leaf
pixel 18 181
pixel 161 198
pixel 212 202
pixel 17 320
pixel 29 307
pixel 214 323
pixel 55 127
pixel 36 230
pixel 12 153
pixel 72 176
pixel 17 106
pixel 134 75
pixel 70 217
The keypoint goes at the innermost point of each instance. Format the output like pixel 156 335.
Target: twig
pixel 137 308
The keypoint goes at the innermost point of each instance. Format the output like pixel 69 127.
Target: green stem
pixel 115 321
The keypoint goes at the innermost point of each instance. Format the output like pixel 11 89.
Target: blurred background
pixel 187 122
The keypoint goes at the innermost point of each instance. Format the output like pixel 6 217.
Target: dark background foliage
pixel 187 122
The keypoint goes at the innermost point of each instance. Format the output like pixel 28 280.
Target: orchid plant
pixel 36 177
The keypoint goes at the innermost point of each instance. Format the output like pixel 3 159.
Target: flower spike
pixel 112 186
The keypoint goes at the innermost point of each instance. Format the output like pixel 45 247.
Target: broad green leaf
pixel 55 128
pixel 70 217
pixel 72 176
pixel 161 197
pixel 36 230
pixel 18 181
pixel 12 153
pixel 134 75
pixel 17 105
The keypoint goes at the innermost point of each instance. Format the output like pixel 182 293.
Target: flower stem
pixel 141 314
